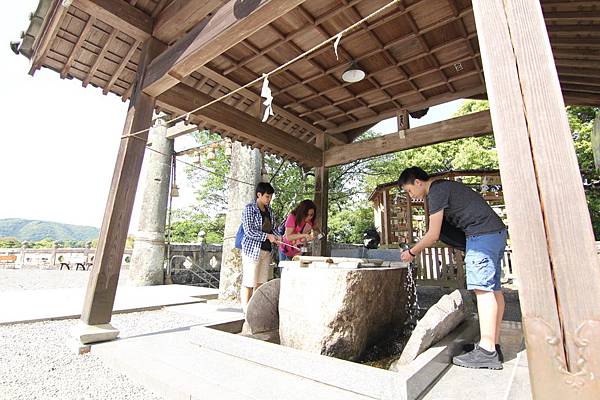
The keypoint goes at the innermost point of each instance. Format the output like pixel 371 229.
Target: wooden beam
pixel 180 16
pixel 432 101
pixel 120 15
pixel 102 285
pixel 230 25
pixel 549 224
pixel 471 125
pixel 186 98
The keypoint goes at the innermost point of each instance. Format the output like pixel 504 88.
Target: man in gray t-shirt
pixel 456 206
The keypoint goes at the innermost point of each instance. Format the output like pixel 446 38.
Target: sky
pixel 59 140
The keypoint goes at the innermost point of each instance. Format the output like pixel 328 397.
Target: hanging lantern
pixel 174 190
pixel 211 154
pixel 227 149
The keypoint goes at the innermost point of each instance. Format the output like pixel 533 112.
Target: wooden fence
pixel 443 266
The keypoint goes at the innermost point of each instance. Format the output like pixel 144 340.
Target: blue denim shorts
pixel 483 260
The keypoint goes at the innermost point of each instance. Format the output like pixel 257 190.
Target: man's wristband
pixel 410 252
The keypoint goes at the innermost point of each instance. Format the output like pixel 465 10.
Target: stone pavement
pixel 51 304
pixel 511 383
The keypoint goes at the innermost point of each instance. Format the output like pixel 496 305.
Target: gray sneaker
pixel 470 346
pixel 478 358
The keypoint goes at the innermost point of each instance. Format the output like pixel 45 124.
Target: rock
pixel 263 309
pixel 340 312
pixel 438 321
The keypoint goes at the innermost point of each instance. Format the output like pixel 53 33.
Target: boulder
pixel 340 312
pixel 263 308
pixel 438 321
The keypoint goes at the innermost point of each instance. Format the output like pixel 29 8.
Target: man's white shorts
pixel 255 271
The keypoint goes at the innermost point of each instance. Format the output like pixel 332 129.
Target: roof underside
pixel 420 54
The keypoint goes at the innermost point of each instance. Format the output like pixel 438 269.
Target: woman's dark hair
pixel 264 187
pixel 301 211
pixel 408 176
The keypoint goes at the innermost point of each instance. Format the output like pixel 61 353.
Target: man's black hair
pixel 408 176
pixel 264 187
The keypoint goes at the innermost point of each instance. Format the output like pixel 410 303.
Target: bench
pixel 8 259
pixel 79 262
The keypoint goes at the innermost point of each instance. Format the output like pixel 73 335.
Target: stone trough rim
pixel 409 382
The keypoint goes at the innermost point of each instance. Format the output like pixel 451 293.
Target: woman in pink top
pixel 298 227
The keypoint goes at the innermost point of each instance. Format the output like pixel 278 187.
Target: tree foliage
pixel 350 213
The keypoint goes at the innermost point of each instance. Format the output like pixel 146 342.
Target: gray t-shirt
pixel 463 207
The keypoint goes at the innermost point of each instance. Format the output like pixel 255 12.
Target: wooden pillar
pixel 321 200
pixel 102 286
pixel 550 229
pixel 409 220
pixel 386 217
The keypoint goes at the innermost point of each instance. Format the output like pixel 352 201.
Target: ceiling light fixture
pixel 353 73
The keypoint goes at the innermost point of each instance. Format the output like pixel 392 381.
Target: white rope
pixel 336 37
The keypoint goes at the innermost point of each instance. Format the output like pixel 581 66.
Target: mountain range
pixel 34 230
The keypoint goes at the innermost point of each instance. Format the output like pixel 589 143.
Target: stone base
pixel 87 334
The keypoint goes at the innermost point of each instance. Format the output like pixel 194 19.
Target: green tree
pixel 9 243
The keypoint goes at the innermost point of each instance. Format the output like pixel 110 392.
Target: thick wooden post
pixel 102 286
pixel 321 200
pixel 550 229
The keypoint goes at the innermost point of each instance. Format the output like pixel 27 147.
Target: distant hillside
pixel 24 229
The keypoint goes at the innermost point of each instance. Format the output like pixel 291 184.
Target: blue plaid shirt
pixel 253 234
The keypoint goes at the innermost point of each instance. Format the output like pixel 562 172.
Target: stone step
pixel 169 365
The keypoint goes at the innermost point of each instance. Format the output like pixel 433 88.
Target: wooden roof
pixel 451 174
pixel 419 54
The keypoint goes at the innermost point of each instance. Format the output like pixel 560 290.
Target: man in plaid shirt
pixel 258 223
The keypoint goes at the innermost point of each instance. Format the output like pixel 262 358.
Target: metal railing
pixel 204 276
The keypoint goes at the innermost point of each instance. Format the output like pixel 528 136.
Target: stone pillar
pixel 147 259
pixel 24 245
pixel 53 254
pixel 321 199
pixel 246 167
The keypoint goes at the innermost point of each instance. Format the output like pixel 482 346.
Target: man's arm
pixel 432 236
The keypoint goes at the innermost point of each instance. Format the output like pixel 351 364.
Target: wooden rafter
pixel 396 82
pixel 120 15
pixel 463 32
pixel 100 57
pixel 356 35
pixel 432 101
pixel 391 43
pixel 77 46
pixel 314 23
pixel 398 96
pixel 425 46
pixel 205 42
pixel 121 66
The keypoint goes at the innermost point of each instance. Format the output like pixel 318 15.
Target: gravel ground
pixel 31 279
pixel 35 362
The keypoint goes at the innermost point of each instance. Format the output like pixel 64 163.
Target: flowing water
pixel 385 352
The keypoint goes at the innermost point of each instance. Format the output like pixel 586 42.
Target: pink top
pixel 290 222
